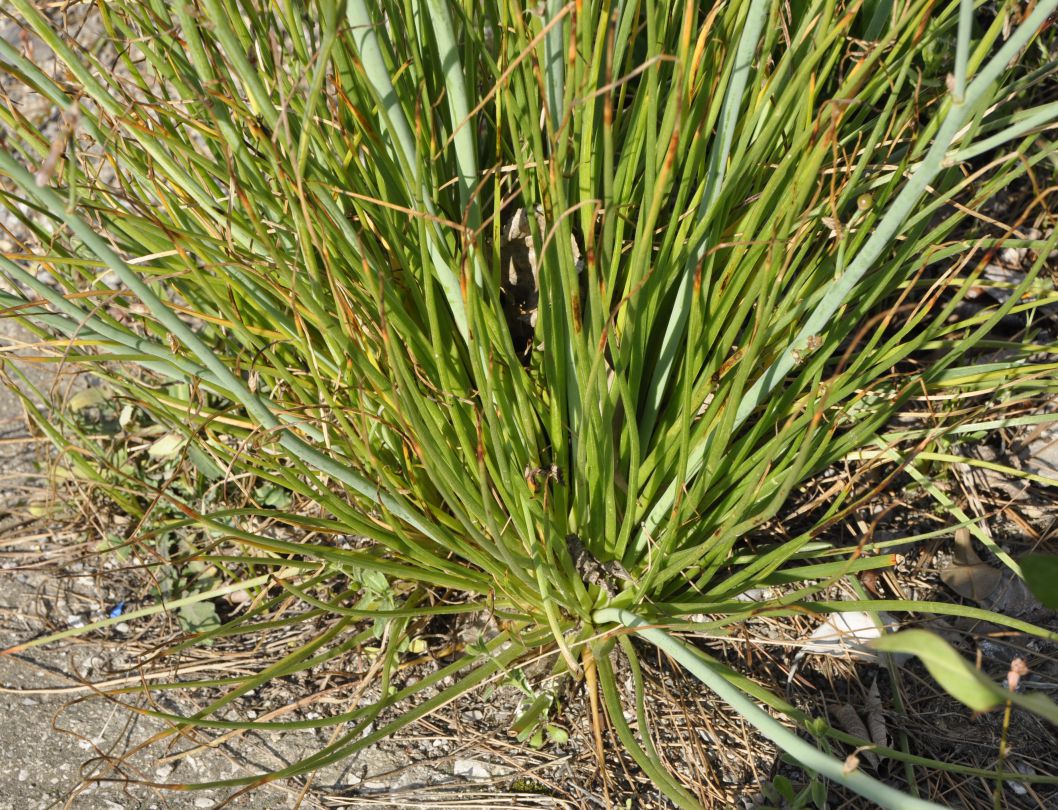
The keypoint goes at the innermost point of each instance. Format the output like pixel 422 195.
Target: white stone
pixel 471 769
pixel 374 787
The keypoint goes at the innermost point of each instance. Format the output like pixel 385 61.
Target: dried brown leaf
pixel 967 575
pixel 975 582
pixel 849 720
pixel 875 712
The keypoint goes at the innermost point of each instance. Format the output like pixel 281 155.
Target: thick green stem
pixel 805 753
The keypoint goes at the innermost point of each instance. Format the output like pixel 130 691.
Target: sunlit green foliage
pixel 553 304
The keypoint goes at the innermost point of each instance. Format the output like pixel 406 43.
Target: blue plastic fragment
pixel 117 610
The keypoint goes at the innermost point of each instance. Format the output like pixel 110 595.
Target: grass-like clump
pixel 553 305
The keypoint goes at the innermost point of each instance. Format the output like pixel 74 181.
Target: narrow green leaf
pixel 958 677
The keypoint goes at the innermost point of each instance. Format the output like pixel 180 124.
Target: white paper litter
pixel 846 635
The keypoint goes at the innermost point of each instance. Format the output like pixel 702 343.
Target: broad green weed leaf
pixel 959 678
pixel 88 398
pixel 272 496
pixel 954 673
pixel 1041 575
pixel 375 582
pixel 557 734
pixel 199 617
pixel 204 463
pixel 166 447
pixel 44 509
pixel 1038 703
pixel 537 740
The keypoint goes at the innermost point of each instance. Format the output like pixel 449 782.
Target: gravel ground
pixel 47 740
pixel 57 734
pixel 52 739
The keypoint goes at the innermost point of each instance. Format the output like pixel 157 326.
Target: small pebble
pixel 374 787
pixel 470 769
